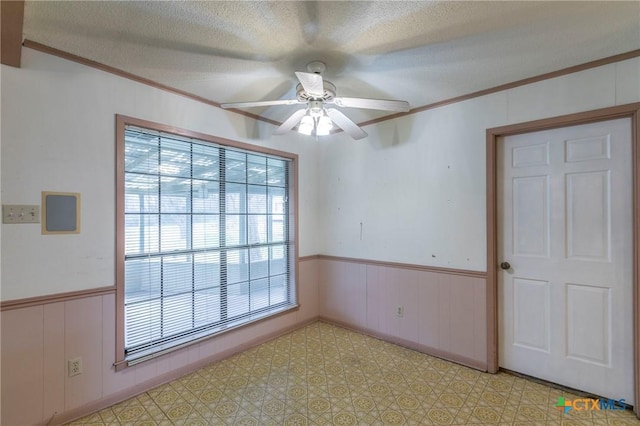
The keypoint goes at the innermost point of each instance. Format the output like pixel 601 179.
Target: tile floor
pixel 326 375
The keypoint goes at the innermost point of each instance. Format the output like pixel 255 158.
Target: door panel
pixel 588 216
pixel 587 149
pixel 531 314
pixel 528 156
pixel 564 214
pixel 589 324
pixel 531 216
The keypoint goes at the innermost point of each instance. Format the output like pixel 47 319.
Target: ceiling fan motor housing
pixel 329 92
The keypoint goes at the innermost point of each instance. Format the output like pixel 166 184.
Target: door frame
pixel 493 135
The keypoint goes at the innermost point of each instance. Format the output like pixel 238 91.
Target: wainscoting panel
pixel 343 293
pixel 468 316
pixel 438 311
pixel 82 337
pixel 54 361
pixel 390 289
pixel 22 364
pixel 308 293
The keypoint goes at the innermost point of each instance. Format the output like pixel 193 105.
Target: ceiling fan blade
pixel 290 122
pixel 382 104
pixel 311 83
pixel 260 103
pixel 345 123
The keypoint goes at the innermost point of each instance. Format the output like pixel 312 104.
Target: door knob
pixel 505 265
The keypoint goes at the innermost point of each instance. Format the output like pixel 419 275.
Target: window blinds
pixel 207 239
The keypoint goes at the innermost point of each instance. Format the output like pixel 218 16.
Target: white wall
pixel 58 134
pixel 417 184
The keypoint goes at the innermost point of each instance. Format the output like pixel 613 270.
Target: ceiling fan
pixel 316 93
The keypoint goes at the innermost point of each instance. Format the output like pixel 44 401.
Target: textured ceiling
pixel 419 51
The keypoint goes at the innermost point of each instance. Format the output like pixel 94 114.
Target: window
pixel 208 241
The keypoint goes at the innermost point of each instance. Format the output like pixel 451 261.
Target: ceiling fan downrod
pixel 316 67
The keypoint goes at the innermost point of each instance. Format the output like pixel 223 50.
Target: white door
pixel 565 228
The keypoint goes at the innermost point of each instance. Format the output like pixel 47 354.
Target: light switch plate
pixel 20 213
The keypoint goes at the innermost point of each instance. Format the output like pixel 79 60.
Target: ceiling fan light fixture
pixel 307 123
pixel 324 126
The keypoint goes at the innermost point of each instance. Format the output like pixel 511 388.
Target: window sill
pixel 195 339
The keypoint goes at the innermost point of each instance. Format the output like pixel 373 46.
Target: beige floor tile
pixel 327 375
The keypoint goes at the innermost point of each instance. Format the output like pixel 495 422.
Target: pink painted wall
pixel 37 341
pixel 444 313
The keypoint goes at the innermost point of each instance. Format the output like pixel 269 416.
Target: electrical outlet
pixel 74 366
pixel 400 311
